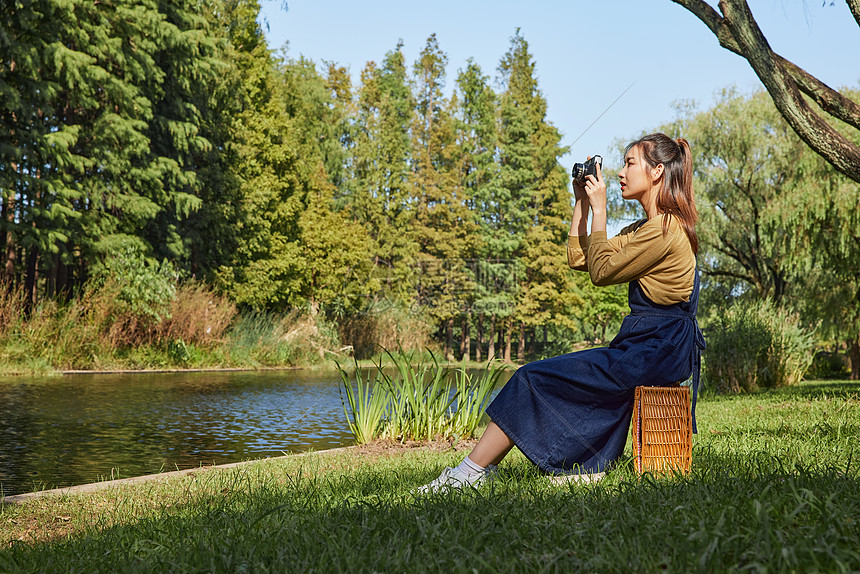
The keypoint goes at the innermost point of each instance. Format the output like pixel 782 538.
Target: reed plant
pixel 416 400
pixel 473 397
pixel 368 401
pixel 421 399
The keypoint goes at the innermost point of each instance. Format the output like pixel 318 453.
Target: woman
pixel 570 414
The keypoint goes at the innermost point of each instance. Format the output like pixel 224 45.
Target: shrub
pixel 755 345
pixel 828 365
pixel 129 295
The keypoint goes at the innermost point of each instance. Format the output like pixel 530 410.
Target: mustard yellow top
pixel 665 266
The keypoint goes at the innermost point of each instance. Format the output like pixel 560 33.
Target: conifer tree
pixel 533 200
pixel 113 135
pixel 96 174
pixel 381 196
pixel 475 111
pixel 266 268
pixel 335 247
pixel 443 227
pixel 188 131
pixel 293 248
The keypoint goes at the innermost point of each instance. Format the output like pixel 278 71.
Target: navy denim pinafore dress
pixel 572 413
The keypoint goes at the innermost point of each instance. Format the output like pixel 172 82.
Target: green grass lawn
pixel 775 487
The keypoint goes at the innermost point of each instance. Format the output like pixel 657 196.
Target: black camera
pixel 581 170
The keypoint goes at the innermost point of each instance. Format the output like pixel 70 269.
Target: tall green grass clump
pixel 756 345
pixel 368 402
pixel 417 401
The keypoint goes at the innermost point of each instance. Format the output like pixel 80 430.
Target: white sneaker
pixel 454 479
pixel 584 478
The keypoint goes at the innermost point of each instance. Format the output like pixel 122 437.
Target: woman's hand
pixel 579 192
pixel 595 190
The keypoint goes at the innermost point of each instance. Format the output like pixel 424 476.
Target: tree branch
pixel 829 99
pixel 854 6
pixel 738 32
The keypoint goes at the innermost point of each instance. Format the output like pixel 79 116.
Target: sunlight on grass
pixel 774 487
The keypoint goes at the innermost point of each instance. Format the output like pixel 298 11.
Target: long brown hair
pixel 676 195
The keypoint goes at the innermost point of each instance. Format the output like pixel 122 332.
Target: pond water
pixel 62 431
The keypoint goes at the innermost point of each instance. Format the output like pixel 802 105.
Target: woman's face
pixel 635 177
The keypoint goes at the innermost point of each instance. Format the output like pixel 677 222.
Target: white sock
pixel 473 470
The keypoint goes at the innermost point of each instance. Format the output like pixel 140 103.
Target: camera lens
pixel 578 172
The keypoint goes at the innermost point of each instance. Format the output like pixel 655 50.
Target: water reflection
pixel 62 431
pixel 77 429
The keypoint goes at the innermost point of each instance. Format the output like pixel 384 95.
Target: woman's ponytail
pixel 687 167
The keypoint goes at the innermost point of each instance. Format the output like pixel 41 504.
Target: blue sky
pixel 586 53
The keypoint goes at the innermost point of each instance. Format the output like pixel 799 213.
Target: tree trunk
pixel 521 348
pixel 51 277
pixel 63 289
pixel 449 339
pixel 545 337
pixel 479 346
pixel 30 279
pixel 491 352
pixel 786 83
pixel 854 355
pixel 508 335
pixel 466 343
pixel 9 268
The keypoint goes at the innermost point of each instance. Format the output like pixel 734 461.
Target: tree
pixel 474 104
pixel 777 221
pixel 746 168
pixel 788 84
pixel 600 309
pixel 381 195
pixel 444 227
pixel 532 200
pixel 820 211
pixel 266 269
pixel 105 126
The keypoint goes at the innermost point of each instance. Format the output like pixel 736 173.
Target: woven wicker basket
pixel 662 430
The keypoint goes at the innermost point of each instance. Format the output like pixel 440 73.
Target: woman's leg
pixel 492 447
pixel 476 467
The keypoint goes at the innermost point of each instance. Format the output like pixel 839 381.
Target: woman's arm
pixel 577 237
pixel 579 223
pixel 611 261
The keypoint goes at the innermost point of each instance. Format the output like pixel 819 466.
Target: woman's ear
pixel 657 172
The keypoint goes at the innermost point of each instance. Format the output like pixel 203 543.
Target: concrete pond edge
pixel 107 484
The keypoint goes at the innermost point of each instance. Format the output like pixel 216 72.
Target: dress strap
pixel 700 346
pixel 697 368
